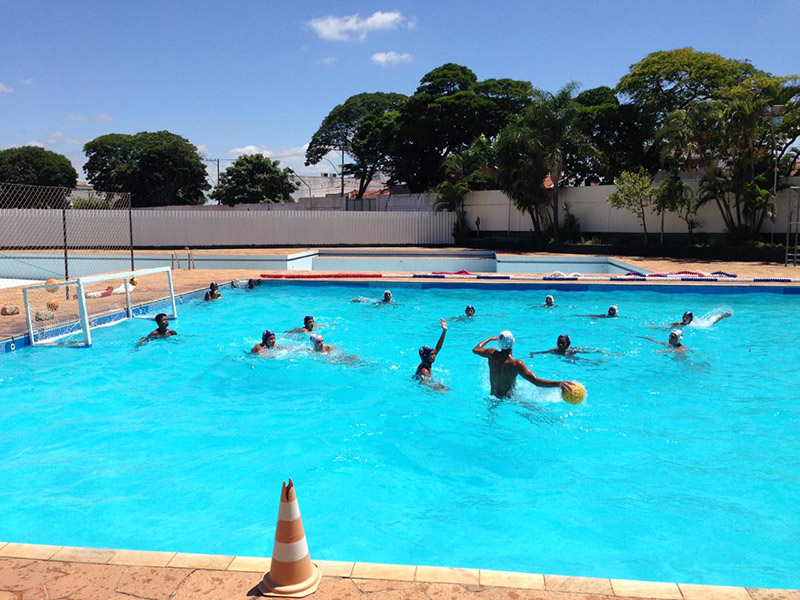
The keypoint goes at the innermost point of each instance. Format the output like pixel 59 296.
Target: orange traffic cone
pixel 291 573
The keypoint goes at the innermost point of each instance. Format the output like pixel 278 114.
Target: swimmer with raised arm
pixel 163 330
pixel 308 326
pixel 504 368
pixel 675 341
pixel 212 293
pixel 427 356
pixel 267 343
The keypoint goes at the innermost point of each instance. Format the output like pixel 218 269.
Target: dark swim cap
pixel 469 306
pixel 425 353
pixel 266 335
pixel 213 285
pixel 307 318
pixel 565 337
pixel 689 314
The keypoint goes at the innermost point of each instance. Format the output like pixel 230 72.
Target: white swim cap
pixel 315 337
pixel 505 339
pixel 677 333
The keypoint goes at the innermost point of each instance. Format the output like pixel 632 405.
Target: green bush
pixel 91 204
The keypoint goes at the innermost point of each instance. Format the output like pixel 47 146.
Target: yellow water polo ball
pixel 52 305
pixel 50 287
pixel 576 395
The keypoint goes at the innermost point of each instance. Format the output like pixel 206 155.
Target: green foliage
pixel 254 179
pixel 95 203
pixel 521 169
pixel 572 227
pixel 634 193
pixel 364 127
pixel 31 165
pixel 448 111
pixel 157 168
pixel 677 197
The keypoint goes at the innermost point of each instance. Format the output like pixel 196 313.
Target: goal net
pixel 65 312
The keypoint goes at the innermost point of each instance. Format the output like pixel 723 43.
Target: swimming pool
pixel 675 469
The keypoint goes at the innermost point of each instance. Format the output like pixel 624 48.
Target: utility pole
pixel 341 171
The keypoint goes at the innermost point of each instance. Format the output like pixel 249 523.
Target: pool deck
pixel 33 572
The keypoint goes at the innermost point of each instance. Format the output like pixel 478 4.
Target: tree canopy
pixel 157 168
pixel 32 165
pixel 362 126
pixel 254 179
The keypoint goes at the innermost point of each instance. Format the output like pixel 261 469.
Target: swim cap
pixel 469 307
pixel 266 335
pixel 134 281
pixel 425 354
pixel 689 314
pixel 307 318
pixel 678 333
pixel 549 298
pixel 387 292
pixel 213 285
pixel 565 337
pixel 315 337
pixel 613 308
pixel 505 339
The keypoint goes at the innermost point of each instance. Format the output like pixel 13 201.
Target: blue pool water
pixel 677 468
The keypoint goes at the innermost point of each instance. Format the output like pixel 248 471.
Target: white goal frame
pixel 85 323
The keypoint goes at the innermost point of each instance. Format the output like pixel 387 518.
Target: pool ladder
pixel 175 261
pixel 793 227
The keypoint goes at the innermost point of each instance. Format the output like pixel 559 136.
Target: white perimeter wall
pixel 196 229
pixel 596 215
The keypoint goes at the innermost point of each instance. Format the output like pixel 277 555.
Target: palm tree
pixel 552 121
pixel 450 192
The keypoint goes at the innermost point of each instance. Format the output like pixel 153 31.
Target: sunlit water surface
pixel 676 468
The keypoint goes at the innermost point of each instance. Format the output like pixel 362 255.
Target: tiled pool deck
pixel 31 572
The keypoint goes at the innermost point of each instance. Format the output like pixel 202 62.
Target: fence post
pixel 130 230
pixel 64 229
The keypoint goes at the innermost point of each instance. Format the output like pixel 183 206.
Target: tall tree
pixel 552 120
pixel 36 166
pixel 254 179
pixel 362 128
pixel 521 170
pixel 449 109
pixel 158 168
pixel 634 192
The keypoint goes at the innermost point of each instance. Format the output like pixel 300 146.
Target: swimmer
pixel 688 318
pixel 267 343
pixel 504 368
pixel 246 283
pixel 613 312
pixel 675 341
pixel 549 301
pixel 308 326
pixel 427 356
pixel 564 348
pixel 318 344
pixel 469 311
pixel 163 330
pixel 387 298
pixel 212 293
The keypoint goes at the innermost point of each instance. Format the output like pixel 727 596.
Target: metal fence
pixel 43 228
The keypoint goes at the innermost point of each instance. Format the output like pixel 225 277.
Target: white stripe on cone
pixel 291 552
pixel 288 511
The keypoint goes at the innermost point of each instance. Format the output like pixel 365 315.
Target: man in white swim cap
pixel 675 343
pixel 504 368
pixel 549 300
pixel 387 296
pixel 318 344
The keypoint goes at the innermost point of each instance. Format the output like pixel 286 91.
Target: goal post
pixel 64 313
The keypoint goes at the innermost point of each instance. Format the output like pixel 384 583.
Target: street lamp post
pixel 310 201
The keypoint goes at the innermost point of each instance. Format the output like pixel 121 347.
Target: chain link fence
pixel 62 233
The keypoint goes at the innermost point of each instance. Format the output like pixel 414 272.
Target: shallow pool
pixel 677 468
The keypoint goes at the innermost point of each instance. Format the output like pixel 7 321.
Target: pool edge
pixel 482 578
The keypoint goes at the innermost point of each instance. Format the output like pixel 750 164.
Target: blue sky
pixel 241 76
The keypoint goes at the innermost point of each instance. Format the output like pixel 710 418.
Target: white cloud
pixel 104 117
pixel 74 117
pixel 36 143
pixel 328 60
pixel 4 89
pixel 60 136
pixel 291 153
pixel 342 29
pixel 27 82
pixel 386 59
pixel 202 149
